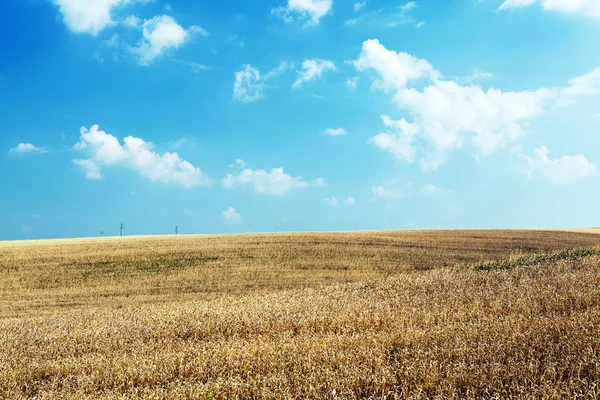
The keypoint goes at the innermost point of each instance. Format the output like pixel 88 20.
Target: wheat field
pixel 413 314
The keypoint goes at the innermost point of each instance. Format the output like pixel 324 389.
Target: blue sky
pixel 297 115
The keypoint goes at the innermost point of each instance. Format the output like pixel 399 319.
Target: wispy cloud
pixel 312 69
pixel 388 16
pixel 585 7
pixel 249 83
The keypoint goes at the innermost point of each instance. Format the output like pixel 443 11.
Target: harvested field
pixel 418 314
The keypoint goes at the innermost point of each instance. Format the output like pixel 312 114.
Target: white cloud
pixel 352 83
pixel 398 140
pixel 312 69
pixel 84 16
pixel 232 215
pixel 479 75
pixel 388 191
pixel 420 24
pixel 281 68
pixel 403 16
pixel 132 22
pixel 331 202
pixel 161 34
pixel 392 15
pixel 445 112
pixel 313 10
pixel 516 3
pixel 238 164
pixel 27 148
pixel 104 149
pixel 433 190
pixel 179 143
pixel 196 68
pixel 113 41
pixel 234 40
pixel 90 168
pixel 249 84
pixel 563 170
pixel 394 69
pixel 320 182
pixel 274 182
pixel 586 7
pixel 335 132
pixel 409 6
pixel 581 86
pixel 199 30
pixel 359 6
pixel 350 201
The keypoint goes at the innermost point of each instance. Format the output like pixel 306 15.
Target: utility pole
pixel 121 229
pixel 176 229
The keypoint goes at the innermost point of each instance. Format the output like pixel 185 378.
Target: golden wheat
pixel 350 315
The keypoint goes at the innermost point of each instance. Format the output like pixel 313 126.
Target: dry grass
pixel 350 315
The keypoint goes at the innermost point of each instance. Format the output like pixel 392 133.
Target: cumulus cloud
pixel 444 112
pixel 84 16
pixel 585 7
pixel 447 111
pixel 313 10
pixel 395 70
pixel 232 215
pixel 249 84
pixel 274 182
pixel 161 34
pixel 331 202
pixel 105 150
pixel 335 132
pixel 398 140
pixel 311 70
pixel 562 170
pixel 27 148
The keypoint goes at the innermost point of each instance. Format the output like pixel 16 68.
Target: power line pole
pixel 176 229
pixel 121 229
